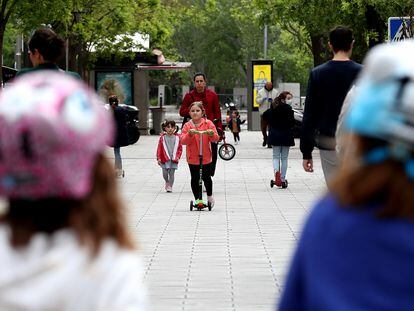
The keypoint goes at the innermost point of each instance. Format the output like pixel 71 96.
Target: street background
pixel 232 258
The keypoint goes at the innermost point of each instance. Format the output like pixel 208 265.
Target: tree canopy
pixel 219 37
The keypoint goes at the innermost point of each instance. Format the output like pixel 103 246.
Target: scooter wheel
pixel 209 206
pixel 272 183
pixel 191 205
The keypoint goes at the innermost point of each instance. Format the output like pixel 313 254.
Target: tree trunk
pixel 2 30
pixel 375 24
pixel 318 50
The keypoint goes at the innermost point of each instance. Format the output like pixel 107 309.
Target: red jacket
pixel 162 152
pixel 210 103
pixel 193 142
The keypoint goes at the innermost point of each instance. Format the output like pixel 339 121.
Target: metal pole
pixel 19 49
pixel 265 42
pixel 67 54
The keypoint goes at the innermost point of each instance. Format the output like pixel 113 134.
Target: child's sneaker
pixel 169 188
pixel 166 186
pixel 278 180
pixel 210 199
pixel 119 173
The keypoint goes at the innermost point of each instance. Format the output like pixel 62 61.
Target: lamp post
pixel 265 41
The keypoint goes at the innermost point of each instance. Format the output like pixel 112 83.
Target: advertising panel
pixel 118 83
pixel 262 73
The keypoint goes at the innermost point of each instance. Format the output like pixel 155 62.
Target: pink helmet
pixel 52 127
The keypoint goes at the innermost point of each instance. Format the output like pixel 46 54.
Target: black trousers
pixel 213 158
pixel 263 127
pixel 195 178
pixel 236 136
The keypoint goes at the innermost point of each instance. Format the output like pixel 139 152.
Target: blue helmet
pixel 383 105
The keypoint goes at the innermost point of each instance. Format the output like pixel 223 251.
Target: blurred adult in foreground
pixel 356 250
pixel 64 243
pixel 46 48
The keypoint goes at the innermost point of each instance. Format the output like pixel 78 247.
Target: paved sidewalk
pixel 232 258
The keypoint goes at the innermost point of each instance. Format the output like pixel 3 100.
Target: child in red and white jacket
pixel 169 151
pixel 191 139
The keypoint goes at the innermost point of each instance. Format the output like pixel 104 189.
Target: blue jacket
pixel 349 259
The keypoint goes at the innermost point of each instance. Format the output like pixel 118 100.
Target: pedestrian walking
pixel 211 105
pixel 280 119
pixel 64 240
pixel 121 137
pixel 169 152
pixel 327 87
pixel 264 98
pixel 234 125
pixel 356 249
pixel 191 139
pixel 46 48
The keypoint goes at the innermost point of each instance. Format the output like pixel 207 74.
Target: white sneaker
pixel 119 173
pixel 210 199
pixel 169 188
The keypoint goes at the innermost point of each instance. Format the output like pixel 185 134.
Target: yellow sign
pixel 261 75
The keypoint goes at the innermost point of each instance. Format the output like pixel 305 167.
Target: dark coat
pixel 47 66
pixel 281 122
pixel 121 117
pixel 238 122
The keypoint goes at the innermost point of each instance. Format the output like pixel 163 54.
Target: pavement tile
pixel 232 258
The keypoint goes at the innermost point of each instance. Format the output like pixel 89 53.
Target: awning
pixel 167 65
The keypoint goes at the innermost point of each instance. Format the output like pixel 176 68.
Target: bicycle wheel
pixel 227 152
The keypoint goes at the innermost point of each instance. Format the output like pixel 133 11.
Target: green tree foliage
pixel 368 19
pixel 91 24
pixel 205 34
pixel 221 37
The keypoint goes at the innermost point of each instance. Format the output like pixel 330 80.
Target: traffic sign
pixel 398 28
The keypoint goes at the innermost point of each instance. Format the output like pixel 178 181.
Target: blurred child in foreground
pixel 357 248
pixel 64 243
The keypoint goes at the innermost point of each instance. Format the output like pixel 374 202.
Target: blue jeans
pixel 118 159
pixel 280 154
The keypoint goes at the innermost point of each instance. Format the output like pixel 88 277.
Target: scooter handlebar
pixel 200 132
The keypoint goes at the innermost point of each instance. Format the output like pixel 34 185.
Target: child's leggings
pixel 236 136
pixel 195 177
pixel 168 174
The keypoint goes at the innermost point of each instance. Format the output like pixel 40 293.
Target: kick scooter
pixel 200 204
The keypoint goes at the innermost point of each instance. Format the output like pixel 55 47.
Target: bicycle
pixel 226 151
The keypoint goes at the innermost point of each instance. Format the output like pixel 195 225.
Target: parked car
pixel 298 115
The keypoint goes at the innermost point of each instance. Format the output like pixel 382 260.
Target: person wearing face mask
pixel 264 98
pixel 280 120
